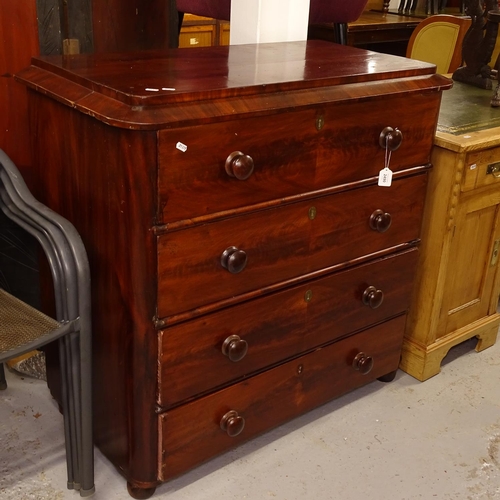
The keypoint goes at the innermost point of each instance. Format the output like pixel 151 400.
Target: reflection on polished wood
pixel 372 28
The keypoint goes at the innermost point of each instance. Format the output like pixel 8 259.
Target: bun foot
pixel 389 377
pixel 140 493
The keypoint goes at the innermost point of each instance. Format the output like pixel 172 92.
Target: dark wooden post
pixel 18 42
pixel 126 25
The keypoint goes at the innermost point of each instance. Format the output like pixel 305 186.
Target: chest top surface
pixel 157 89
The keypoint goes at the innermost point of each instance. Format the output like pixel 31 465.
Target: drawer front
pixel 195 356
pixel 290 155
pixel 192 433
pixel 282 243
pixel 482 168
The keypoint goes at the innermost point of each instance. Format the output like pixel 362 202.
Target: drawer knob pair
pixel 239 165
pixel 380 221
pixel 235 348
pixel 232 423
pixel 362 363
pixel 234 260
pixel 372 297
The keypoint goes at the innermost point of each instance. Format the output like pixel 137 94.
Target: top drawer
pixel 292 153
pixel 482 168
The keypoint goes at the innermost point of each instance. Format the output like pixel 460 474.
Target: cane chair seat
pixel 22 325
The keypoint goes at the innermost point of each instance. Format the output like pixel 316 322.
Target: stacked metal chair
pixel 23 328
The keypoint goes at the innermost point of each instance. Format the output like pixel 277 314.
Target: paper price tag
pixel 385 177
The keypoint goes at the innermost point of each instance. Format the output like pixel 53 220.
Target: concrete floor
pixel 405 440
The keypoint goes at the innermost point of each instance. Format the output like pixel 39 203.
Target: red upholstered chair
pixel 338 12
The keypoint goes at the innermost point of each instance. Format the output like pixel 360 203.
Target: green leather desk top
pixel 465 108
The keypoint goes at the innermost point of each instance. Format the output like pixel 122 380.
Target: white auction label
pixel 385 177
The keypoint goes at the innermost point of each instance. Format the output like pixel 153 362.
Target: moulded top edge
pixel 196 74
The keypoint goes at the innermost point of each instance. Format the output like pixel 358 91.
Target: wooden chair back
pixel 438 40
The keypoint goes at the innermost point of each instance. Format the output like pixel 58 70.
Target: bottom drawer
pixel 193 433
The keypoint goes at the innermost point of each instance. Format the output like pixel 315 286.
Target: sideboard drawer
pixel 290 155
pixel 482 168
pixel 279 326
pixel 291 241
pixel 192 433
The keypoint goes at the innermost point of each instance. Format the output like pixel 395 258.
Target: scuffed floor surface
pixel 405 440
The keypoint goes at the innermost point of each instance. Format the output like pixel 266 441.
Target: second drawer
pixel 276 245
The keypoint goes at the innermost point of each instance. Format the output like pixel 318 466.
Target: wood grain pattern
pixel 279 326
pixel 157 274
pixel 282 243
pixel 113 219
pixel 192 434
pixel 457 285
pixel 117 85
pixel 131 25
pixel 18 21
pixel 49 14
pixel 342 151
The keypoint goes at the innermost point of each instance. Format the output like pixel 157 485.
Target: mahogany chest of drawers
pixel 246 266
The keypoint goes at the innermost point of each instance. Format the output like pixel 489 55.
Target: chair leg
pixel 75 406
pixel 340 33
pixel 87 444
pixel 69 431
pixel 3 382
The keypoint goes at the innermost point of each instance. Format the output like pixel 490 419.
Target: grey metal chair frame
pixel 69 267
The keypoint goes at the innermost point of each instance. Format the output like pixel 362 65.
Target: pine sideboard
pixel 458 283
pixel 246 266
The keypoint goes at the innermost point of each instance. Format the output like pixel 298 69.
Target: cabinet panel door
pixel 471 275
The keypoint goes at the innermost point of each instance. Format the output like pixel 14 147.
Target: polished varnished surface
pixel 372 20
pixel 278 326
pixel 211 72
pixel 234 227
pixel 213 84
pixel 339 152
pixel 288 245
pixel 189 433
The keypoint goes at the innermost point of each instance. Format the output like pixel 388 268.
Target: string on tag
pixel 388 152
pixel 385 175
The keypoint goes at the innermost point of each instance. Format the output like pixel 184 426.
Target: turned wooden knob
pixel 372 297
pixel 380 221
pixel 234 260
pixel 239 165
pixel 390 138
pixel 232 423
pixel 234 348
pixel 362 363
